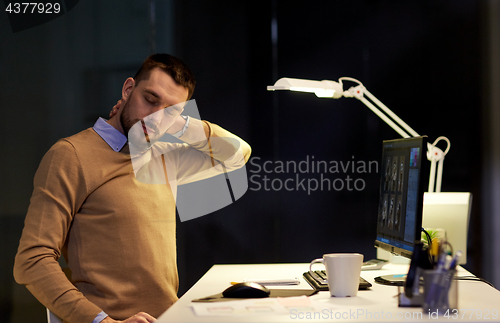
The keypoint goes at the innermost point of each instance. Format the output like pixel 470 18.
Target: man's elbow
pixel 242 156
pixel 247 151
pixel 19 270
pixel 28 263
pixel 239 158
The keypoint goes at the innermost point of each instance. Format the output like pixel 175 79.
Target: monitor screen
pixel 403 173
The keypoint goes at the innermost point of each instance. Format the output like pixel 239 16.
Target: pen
pixel 454 262
pixel 434 249
pixel 448 260
pixel 441 261
pixel 442 297
pixel 438 279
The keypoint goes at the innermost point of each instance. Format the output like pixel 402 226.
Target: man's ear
pixel 128 86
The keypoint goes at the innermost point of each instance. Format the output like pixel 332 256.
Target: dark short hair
pixel 171 65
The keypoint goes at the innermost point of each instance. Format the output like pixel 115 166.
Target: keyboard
pixel 317 284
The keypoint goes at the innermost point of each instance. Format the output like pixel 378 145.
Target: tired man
pixel 116 231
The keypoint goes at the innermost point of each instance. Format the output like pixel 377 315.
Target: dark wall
pixel 420 58
pixel 56 80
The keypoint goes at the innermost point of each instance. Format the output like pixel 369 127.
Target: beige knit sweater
pixel 116 233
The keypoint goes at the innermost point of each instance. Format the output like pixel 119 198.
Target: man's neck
pixel 115 122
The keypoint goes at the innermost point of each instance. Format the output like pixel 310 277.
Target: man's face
pixel 147 99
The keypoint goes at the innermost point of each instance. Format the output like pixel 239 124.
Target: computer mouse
pixel 246 290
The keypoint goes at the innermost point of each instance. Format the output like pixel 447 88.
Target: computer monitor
pixel 399 222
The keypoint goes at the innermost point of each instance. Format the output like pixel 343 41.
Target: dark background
pixel 432 62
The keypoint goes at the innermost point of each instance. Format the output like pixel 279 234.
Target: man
pixel 116 232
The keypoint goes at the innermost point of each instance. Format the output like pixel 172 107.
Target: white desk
pixel 473 295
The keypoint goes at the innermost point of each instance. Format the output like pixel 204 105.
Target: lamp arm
pixel 331 89
pixel 434 154
pixel 383 117
pixel 359 92
pixel 432 175
pixel 391 114
pixel 439 175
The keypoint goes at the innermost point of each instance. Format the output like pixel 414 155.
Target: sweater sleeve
pixel 59 191
pixel 211 150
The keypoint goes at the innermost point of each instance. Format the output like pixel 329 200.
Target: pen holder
pixel 440 292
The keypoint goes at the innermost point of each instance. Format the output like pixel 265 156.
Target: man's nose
pixel 155 117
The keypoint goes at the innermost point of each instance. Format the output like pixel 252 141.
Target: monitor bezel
pixel 420 197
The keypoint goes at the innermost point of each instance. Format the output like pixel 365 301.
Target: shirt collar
pixel 114 138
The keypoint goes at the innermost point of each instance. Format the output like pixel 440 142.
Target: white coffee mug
pixel 342 272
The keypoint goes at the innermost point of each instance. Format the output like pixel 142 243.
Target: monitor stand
pixel 392 280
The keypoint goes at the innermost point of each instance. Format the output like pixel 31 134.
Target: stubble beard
pixel 125 121
pixel 135 139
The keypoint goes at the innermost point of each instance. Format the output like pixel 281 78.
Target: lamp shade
pixel 322 89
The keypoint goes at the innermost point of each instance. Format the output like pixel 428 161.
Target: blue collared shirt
pixel 116 140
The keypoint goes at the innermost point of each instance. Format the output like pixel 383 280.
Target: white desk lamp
pixel 332 89
pixel 450 211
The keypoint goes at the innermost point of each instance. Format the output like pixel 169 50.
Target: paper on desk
pixel 256 306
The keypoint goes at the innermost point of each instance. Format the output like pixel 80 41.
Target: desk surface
pixel 477 300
